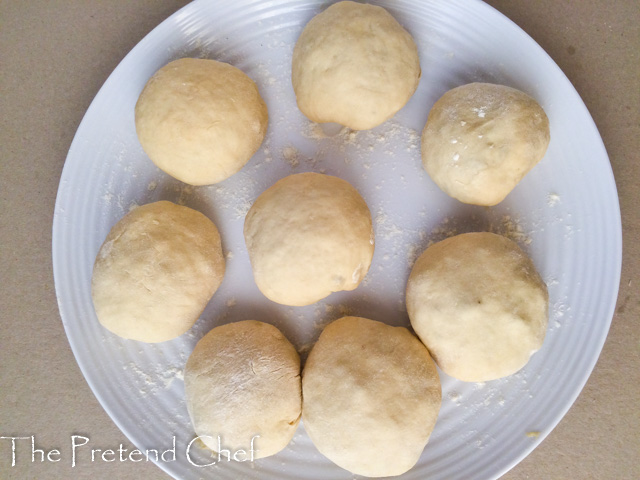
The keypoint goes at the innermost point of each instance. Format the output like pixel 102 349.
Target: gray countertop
pixel 55 56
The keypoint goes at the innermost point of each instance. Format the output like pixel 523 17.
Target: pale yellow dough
pixel 200 120
pixel 371 396
pixel 156 271
pixel 481 139
pixel 243 380
pixel 355 65
pixel 308 235
pixel 479 305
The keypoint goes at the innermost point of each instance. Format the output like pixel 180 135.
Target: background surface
pixel 55 55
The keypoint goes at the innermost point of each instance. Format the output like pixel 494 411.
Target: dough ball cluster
pixel 307 236
pixel 481 139
pixel 370 393
pixel 371 396
pixel 243 380
pixel 156 271
pixel 200 120
pixel 355 65
pixel 479 305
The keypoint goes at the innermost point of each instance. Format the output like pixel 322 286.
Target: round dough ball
pixel 481 139
pixel 308 235
pixel 371 396
pixel 156 271
pixel 355 65
pixel 479 305
pixel 243 380
pixel 200 120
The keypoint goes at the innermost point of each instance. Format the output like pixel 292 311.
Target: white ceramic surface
pixel 564 213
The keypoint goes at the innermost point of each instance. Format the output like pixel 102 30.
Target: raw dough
pixel 481 139
pixel 156 271
pixel 479 305
pixel 354 64
pixel 308 235
pixel 371 396
pixel 200 120
pixel 243 380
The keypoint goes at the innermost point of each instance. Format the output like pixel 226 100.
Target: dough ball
pixel 200 120
pixel 355 65
pixel 308 235
pixel 156 271
pixel 481 139
pixel 479 305
pixel 243 380
pixel 371 396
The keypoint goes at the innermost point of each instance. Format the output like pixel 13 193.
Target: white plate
pixel 564 213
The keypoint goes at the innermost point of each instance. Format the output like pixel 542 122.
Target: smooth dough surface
pixel 479 305
pixel 200 120
pixel 481 139
pixel 355 65
pixel 243 380
pixel 156 271
pixel 371 396
pixel 308 235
